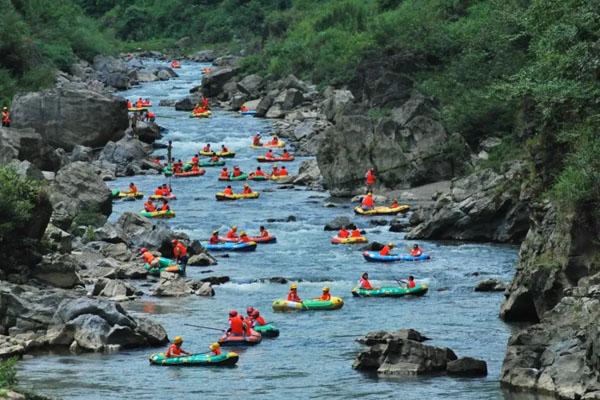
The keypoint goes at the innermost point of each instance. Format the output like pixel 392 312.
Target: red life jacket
pixel 236 325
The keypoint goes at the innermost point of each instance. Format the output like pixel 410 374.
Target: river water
pixel 313 356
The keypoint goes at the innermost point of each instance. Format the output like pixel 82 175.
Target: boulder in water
pixel 490 285
pixel 467 366
pixel 337 223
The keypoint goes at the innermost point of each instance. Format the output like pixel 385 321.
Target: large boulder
pixel 58 270
pixel 114 289
pixel 172 285
pixel 188 103
pixel 123 152
pixel 28 145
pixel 203 56
pixel 77 191
pixel 70 115
pixel 337 223
pixel 141 232
pixel 251 85
pixel 408 151
pixel 335 102
pixel 213 82
pixel 147 131
pixel 401 354
pixel 483 206
pixel 467 366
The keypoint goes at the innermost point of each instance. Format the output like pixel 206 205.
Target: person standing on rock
pixel 370 178
pixel 180 253
pixel 5 117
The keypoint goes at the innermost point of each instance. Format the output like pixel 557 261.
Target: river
pixel 313 356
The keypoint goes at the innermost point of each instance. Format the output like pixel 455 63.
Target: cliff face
pixel 556 286
pixel 407 147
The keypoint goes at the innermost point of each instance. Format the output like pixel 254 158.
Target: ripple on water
pixel 313 356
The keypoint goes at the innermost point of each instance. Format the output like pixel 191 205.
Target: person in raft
pixel 244 237
pixel 293 294
pixel 228 190
pixel 236 324
pixel 367 201
pixel 410 284
pixel 364 283
pixel 236 171
pixel 247 189
pixel 256 140
pixel 165 205
pixel 356 232
pixel 243 108
pixel 269 154
pixel 416 251
pixel 129 104
pixel 224 173
pixel 264 232
pixel 175 349
pixel 195 159
pixel 283 171
pixel 258 320
pixel 395 203
pixel 195 168
pixel 224 149
pixel 215 348
pixel 248 321
pixel 385 250
pixel 259 171
pixel 214 158
pixel 232 233
pixel 149 206
pixel 214 238
pixel 286 155
pixel 180 253
pixel 206 148
pixel 370 177
pixel 343 233
pixel 132 188
pixel 275 140
pixel 325 296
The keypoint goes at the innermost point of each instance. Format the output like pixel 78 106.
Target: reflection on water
pixel 313 356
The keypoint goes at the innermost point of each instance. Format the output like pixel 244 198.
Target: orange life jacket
pixel 228 191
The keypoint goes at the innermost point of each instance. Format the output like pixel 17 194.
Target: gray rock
pixel 77 189
pixel 123 152
pixel 188 103
pixel 114 289
pixel 184 42
pixel 71 115
pixel 490 285
pixel 124 337
pixel 335 102
pixel 172 285
pixel 163 75
pixel 467 366
pixel 118 251
pixel 251 85
pixel 275 111
pixel 90 331
pixel 291 82
pixel 26 144
pixel 308 174
pixel 201 260
pixel 337 223
pixel 203 56
pixel 205 290
pixel 112 313
pixel 26 170
pixel 147 131
pixel 58 239
pixel 58 270
pixel 289 99
pixel 212 83
pixel 81 153
pixel 264 105
pixel 143 76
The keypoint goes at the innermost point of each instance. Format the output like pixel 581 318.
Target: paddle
pixel 401 282
pixel 205 327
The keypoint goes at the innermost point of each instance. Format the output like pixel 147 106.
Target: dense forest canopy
pixel 524 70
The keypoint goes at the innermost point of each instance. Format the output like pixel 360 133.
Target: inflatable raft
pixel 269 145
pixel 284 305
pixel 127 196
pixel 135 109
pixel 195 360
pixel 253 177
pixel 241 177
pixel 349 240
pixel 160 197
pixel 189 174
pixel 257 239
pixel 219 163
pixel 231 340
pixel 382 210
pixel 263 159
pixel 227 154
pixel 374 256
pixel 205 114
pixel 249 112
pixel 248 246
pixel 267 330
pixel 158 214
pixel 418 290
pixel 164 264
pixel 236 196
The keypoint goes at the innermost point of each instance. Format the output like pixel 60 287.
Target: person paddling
pixel 224 173
pixel 364 283
pixel 232 233
pixel 259 172
pixel 214 238
pixel 411 282
pixel 149 206
pixel 228 190
pixel 244 237
pixel 258 320
pixel 367 201
pixel 148 257
pixel 264 233
pixel 343 233
pixel 247 189
pixel 394 203
pixel 236 324
pixel 165 205
pixel 356 232
pixel 416 251
pixel 275 140
pixel 256 140
pixel 325 296
pixel 215 348
pixel 206 149
pixel 132 188
pixel 385 250
pixel 293 294
pixel 175 349
pixel 283 171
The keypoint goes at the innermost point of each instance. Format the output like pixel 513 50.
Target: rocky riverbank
pixel 65 293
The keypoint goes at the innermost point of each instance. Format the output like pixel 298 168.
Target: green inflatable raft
pixel 219 163
pixel 306 305
pixel 267 330
pixel 418 290
pixel 194 360
pixel 164 264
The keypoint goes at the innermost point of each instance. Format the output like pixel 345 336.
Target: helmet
pixel 215 232
pixel 326 289
pixel 390 245
pixel 415 246
pixel 250 310
pixel 243 233
pixel 143 250
pixel 234 228
pixel 178 340
pixel 411 278
pixel 293 286
pixel 174 241
pixel 214 346
pixel 233 313
pixel 255 313
pixel 5 108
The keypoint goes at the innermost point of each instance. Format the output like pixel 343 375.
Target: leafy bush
pixel 18 197
pixel 8 373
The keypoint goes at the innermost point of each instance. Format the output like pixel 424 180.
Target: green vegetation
pixel 8 374
pixel 39 36
pixel 18 198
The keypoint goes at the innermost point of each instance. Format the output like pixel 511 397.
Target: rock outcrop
pixel 71 114
pixel 76 191
pixel 403 353
pixel 409 147
pixel 483 206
